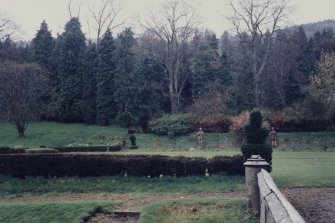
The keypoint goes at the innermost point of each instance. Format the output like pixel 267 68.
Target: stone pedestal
pixel 253 166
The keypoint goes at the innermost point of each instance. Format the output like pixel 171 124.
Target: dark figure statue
pixel 255 139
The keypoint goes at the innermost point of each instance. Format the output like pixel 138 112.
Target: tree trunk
pixel 174 103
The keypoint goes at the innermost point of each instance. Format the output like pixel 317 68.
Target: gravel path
pixel 314 205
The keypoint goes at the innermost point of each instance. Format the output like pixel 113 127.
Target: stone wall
pixel 274 208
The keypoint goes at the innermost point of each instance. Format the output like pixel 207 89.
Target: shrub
pixel 309 115
pixel 215 123
pixel 223 165
pixel 42 150
pixel 8 150
pixel 67 149
pixel 173 125
pixel 194 166
pixel 83 165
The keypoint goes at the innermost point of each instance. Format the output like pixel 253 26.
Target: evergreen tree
pixel 41 51
pixel 90 85
pixel 106 106
pixel 206 66
pixel 42 47
pixel 70 52
pixel 127 94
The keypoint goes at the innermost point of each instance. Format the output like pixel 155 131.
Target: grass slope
pixel 197 210
pixel 55 212
pixel 58 134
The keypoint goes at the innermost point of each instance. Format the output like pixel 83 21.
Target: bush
pixel 8 150
pixel 309 115
pixel 223 165
pixel 215 123
pixel 42 150
pixel 84 165
pixel 173 125
pixel 67 149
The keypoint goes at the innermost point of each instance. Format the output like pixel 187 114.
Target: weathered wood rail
pixel 274 207
pixel 264 197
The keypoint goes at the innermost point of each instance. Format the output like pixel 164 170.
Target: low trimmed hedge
pixel 60 164
pixel 223 165
pixel 69 149
pixel 42 150
pixel 8 150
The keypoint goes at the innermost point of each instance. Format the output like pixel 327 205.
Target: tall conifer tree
pixel 42 47
pixel 90 85
pixel 71 48
pixel 127 94
pixel 106 106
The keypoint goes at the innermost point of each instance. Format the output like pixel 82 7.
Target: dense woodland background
pixel 171 68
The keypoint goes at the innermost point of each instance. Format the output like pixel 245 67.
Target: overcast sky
pixel 28 14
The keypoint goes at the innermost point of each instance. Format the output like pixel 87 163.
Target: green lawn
pixel 46 212
pixel 136 185
pixel 304 169
pixel 197 210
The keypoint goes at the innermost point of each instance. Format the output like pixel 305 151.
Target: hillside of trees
pixel 312 28
pixel 132 79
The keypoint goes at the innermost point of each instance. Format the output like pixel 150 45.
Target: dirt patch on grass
pixel 113 218
pixel 314 205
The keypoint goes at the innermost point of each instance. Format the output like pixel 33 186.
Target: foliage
pixel 221 165
pixel 22 86
pixel 42 46
pixel 106 106
pixel 172 125
pixel 86 148
pixel 127 94
pixel 83 165
pixel 8 150
pixel 42 150
pixel 70 48
pixel 211 112
pixel 323 82
pixel 89 96
pixel 308 115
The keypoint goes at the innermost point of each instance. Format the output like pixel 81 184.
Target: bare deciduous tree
pixel 21 87
pixel 259 19
pixel 103 18
pixel 7 27
pixel 173 26
pixel 70 8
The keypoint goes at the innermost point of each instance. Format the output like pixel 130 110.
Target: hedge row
pixel 57 164
pixel 8 150
pixel 66 149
